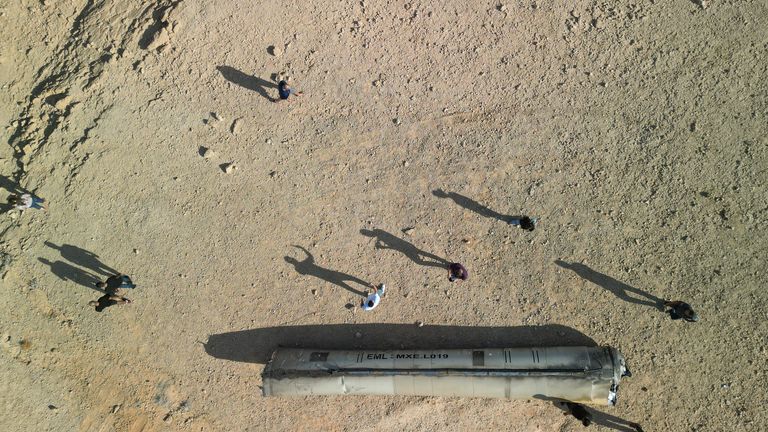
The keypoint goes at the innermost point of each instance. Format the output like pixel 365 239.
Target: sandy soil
pixel 636 130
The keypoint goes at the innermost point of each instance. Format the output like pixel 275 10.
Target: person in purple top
pixel 457 271
pixel 285 91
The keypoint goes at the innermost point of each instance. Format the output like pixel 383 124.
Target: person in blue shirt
pixel 285 91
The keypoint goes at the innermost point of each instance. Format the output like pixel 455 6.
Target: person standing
pixel 373 300
pixel 457 271
pixel 284 90
pixel 108 300
pixel 524 222
pixel 681 310
pixel 27 201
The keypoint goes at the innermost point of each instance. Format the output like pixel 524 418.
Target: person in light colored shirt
pixel 26 201
pixel 373 300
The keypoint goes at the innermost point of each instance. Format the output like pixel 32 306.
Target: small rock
pixel 136 251
pixel 275 50
pixel 228 168
pixel 409 231
pixel 63 103
pixel 405 164
pixel 420 323
pixel 396 121
pixel 235 128
pixel 116 408
pixel 314 292
pixel 377 83
pixel 501 8
pixel 207 153
pixel 217 117
pixel 52 407
pixel 168 418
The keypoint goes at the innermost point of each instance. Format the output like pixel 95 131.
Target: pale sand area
pixel 636 130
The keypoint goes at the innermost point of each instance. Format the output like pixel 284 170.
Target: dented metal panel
pixel 580 374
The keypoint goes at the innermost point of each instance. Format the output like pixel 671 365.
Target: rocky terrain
pixel 635 130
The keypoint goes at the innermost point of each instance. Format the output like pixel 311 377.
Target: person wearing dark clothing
pixel 524 222
pixel 578 411
pixel 681 310
pixel 114 282
pixel 108 300
pixel 457 271
pixel 284 90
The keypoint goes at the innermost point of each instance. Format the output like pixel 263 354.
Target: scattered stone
pixel 235 128
pixel 314 292
pixel 116 408
pixel 378 83
pixel 136 251
pixel 409 231
pixel 396 121
pixel 420 323
pixel 275 50
pixel 405 164
pixel 52 407
pixel 168 418
pixel 501 8
pixel 217 117
pixel 159 39
pixel 207 153
pixel 228 168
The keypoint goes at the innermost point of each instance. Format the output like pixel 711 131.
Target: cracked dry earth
pixel 635 129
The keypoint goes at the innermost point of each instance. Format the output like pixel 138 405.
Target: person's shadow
pixel 385 240
pixel 470 204
pixel 68 272
pixel 309 268
pixel 246 81
pixel 598 417
pixel 618 288
pixel 83 258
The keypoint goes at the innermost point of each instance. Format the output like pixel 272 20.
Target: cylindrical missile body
pixel 579 374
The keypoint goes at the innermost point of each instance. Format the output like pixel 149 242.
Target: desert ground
pixel 636 131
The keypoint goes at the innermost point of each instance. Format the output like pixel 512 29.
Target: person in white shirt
pixel 373 300
pixel 26 201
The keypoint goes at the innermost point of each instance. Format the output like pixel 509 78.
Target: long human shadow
pixel 470 204
pixel 308 267
pixel 618 288
pixel 11 185
pixel 257 345
pixel 246 81
pixel 385 240
pixel 598 417
pixel 68 272
pixel 83 258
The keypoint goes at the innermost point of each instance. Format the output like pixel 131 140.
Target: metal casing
pixel 580 374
